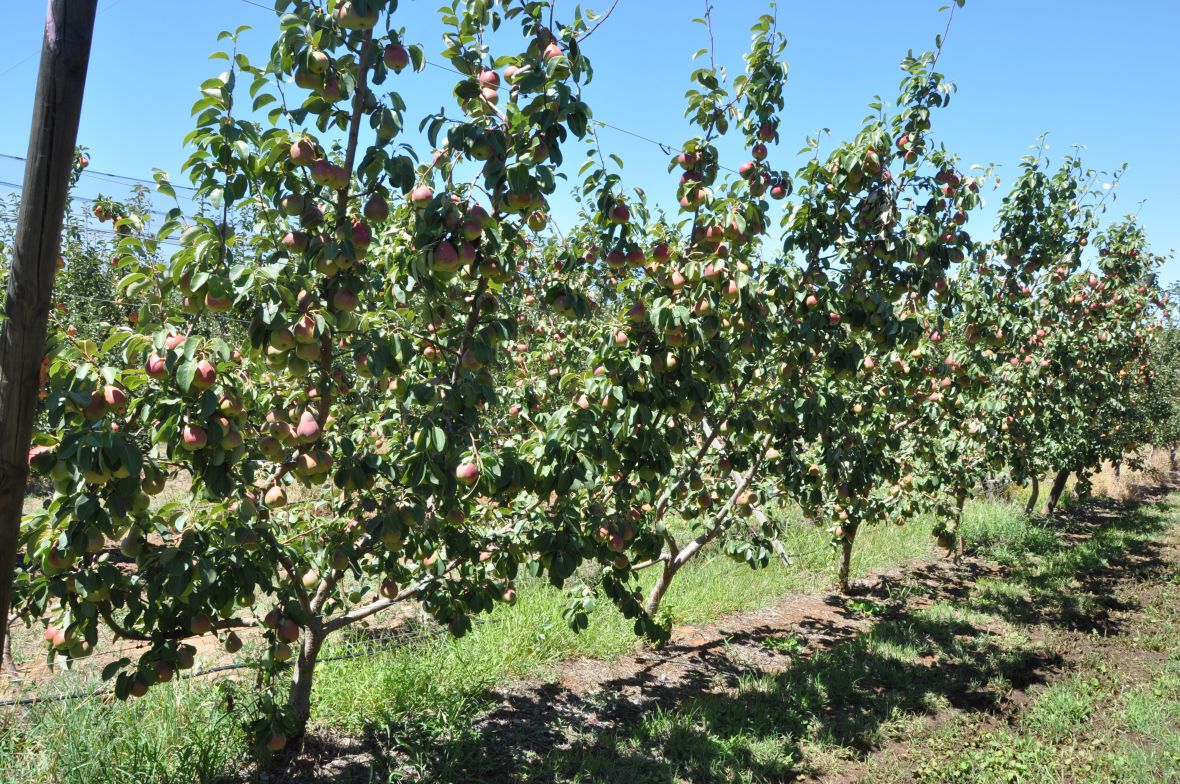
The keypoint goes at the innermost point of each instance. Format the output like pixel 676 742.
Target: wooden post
pixel 65 55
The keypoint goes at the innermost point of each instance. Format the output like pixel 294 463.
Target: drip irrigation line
pixel 396 642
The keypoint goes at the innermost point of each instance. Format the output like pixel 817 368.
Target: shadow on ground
pixel 745 707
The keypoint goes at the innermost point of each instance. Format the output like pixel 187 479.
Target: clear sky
pixel 1089 72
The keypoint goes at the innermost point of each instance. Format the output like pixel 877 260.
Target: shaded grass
pixel 835 709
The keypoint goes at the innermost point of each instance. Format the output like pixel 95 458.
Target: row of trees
pixel 436 389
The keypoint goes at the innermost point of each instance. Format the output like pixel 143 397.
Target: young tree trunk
pixel 960 544
pixel 1118 470
pixel 1055 492
pixel 1034 495
pixel 1172 457
pixel 667 574
pixel 7 663
pixel 299 697
pixel 65 55
pixel 846 558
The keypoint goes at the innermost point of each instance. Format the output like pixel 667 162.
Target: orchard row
pixel 435 390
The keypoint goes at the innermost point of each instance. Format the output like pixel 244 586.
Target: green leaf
pixel 185 375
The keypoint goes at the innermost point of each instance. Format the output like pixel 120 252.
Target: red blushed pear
pixel 421 196
pixel 293 204
pixel 193 438
pixel 489 78
pixel 467 473
pixel 282 340
pixel 97 406
pixel 748 169
pixel 661 253
pixel 318 62
pixel 308 429
pixel 344 301
pixel 156 367
pixel 351 19
pixel 619 214
pixel 766 132
pixel 308 80
pixel 114 398
pixel 396 57
pixel 362 235
pixel 304 329
pixel 471 229
pixel 376 208
pixel 321 171
pixel 637 313
pixel 218 302
pixel 200 624
pixel 275 497
pixel 303 152
pixel 759 152
pixel 231 440
pixel 276 742
pixel 205 376
pixel 467 253
pixel 445 257
pixel 552 52
pixel 288 630
pixel 174 341
pixel 519 201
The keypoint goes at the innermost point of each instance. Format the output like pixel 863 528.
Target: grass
pixel 823 712
pixel 433 687
pixel 177 734
pixel 443 679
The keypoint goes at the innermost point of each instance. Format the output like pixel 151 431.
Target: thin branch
pixel 590 32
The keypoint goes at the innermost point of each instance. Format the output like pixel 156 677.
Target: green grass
pixel 181 733
pixel 443 679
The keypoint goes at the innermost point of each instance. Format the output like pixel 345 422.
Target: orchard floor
pixel 1050 654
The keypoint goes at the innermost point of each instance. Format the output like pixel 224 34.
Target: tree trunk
pixel 1034 496
pixel 960 544
pixel 1118 470
pixel 299 698
pixel 7 663
pixel 846 558
pixel 652 605
pixel 65 54
pixel 1172 457
pixel 1055 492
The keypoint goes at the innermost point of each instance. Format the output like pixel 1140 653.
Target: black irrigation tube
pixel 396 642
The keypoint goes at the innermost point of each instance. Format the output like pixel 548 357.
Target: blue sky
pixel 1088 72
